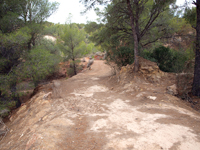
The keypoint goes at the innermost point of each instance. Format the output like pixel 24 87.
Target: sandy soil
pixel 91 111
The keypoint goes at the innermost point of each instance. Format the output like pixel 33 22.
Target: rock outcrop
pixel 90 62
pixel 150 70
pixel 172 90
pixel 100 56
pixel 147 69
pixel 184 83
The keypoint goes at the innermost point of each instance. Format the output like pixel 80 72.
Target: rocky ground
pixel 105 109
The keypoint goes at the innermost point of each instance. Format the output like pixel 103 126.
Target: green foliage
pixel 71 37
pixel 17 38
pixel 164 58
pixel 123 56
pixel 4 112
pixel 71 43
pixel 21 55
pixel 53 29
pixel 91 48
pixel 37 10
pixel 40 63
pixel 91 27
pixel 180 59
pixel 9 15
pixel 190 53
pixel 190 16
pixel 70 72
pixel 147 55
pixel 168 60
pixel 11 104
pixel 60 31
pixel 11 54
pixel 119 53
pixel 153 24
pixel 117 21
pixel 84 48
pixel 24 86
pixel 48 45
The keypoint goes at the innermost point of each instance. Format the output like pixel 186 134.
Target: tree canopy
pixel 70 40
pixel 21 23
pixel 131 18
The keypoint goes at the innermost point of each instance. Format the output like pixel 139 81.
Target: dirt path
pixel 89 112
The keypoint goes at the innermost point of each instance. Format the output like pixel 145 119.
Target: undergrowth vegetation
pixel 168 60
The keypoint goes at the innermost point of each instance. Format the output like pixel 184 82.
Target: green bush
pixel 6 105
pixel 168 60
pixel 147 55
pixel 164 58
pixel 40 63
pixel 11 104
pixel 4 112
pixel 180 59
pixel 70 72
pixel 122 55
pixel 121 52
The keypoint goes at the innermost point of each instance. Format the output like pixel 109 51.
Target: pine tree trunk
pixel 14 94
pixel 29 45
pixel 196 81
pixel 74 66
pixel 75 69
pixel 135 37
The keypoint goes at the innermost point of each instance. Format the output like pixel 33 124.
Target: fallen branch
pixel 3 131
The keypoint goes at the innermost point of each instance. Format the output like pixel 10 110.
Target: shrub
pixel 147 55
pixel 70 72
pixel 167 59
pixel 122 55
pixel 180 59
pixel 121 52
pixel 39 64
pixel 11 104
pixel 6 105
pixel 4 112
pixel 163 57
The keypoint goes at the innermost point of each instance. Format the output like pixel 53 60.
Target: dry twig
pixel 4 131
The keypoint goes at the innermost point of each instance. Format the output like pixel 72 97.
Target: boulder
pixel 98 53
pixel 184 83
pixel 150 70
pixel 172 90
pixel 147 69
pixel 83 60
pixel 105 56
pixel 90 62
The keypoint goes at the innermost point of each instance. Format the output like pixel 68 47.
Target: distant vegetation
pixel 25 55
pixel 161 35
pixel 145 25
pixel 167 38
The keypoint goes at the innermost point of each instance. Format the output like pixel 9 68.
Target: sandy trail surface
pixel 89 112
